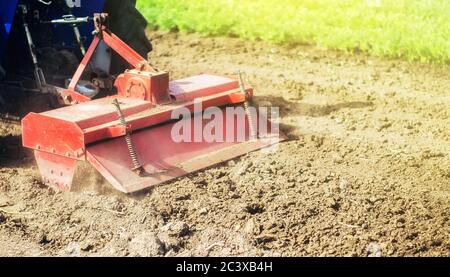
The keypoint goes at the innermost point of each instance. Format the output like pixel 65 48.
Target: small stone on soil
pixel 146 244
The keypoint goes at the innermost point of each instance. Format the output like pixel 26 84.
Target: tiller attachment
pixel 152 131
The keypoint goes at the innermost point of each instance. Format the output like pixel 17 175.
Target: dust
pixel 88 179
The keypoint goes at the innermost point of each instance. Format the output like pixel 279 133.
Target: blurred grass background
pixel 407 29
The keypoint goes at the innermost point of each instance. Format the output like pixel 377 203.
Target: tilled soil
pixel 365 172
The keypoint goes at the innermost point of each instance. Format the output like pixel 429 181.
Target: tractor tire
pixel 129 25
pixel 54 62
pixel 57 64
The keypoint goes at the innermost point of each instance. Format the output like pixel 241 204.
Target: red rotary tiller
pixel 128 137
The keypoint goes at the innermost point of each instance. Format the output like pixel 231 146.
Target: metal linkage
pixel 251 121
pixel 38 74
pixel 137 167
pixel 73 21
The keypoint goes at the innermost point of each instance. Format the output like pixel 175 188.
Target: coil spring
pixel 131 149
pixel 251 121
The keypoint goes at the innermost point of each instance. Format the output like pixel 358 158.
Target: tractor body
pixel 42 43
pixel 57 35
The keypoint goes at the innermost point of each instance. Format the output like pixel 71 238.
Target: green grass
pixel 407 29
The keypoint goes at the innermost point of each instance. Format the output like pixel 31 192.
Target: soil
pixel 365 172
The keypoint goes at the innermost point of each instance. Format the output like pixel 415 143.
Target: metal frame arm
pixel 115 43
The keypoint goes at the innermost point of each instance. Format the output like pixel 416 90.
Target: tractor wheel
pixel 129 25
pixel 57 64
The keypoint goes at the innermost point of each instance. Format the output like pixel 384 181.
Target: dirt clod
pixel 146 244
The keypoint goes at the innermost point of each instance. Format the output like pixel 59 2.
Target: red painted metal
pixel 159 114
pixel 202 85
pixel 75 96
pixel 126 52
pixel 165 160
pixel 72 132
pixel 56 171
pixel 53 135
pixel 92 131
pixel 148 86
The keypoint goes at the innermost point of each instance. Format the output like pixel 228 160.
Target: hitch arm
pixel 115 43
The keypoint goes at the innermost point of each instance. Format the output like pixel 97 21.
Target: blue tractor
pixel 43 41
